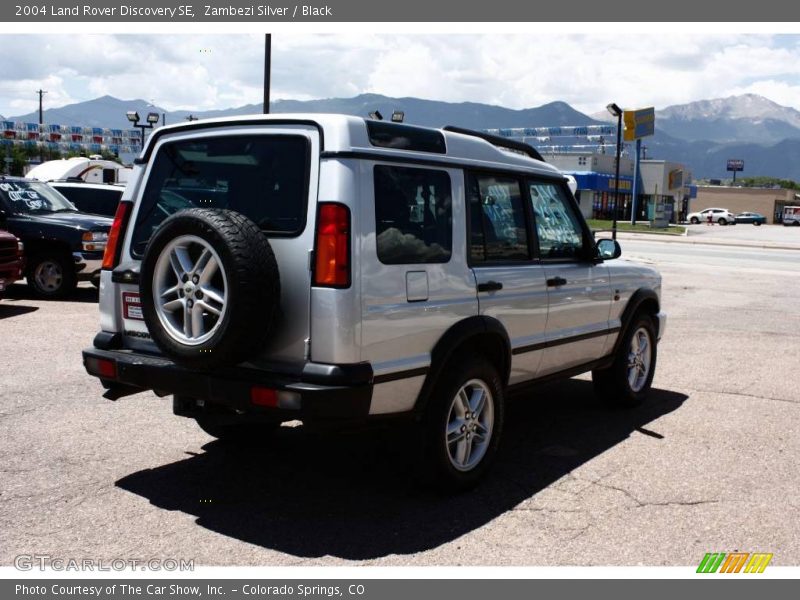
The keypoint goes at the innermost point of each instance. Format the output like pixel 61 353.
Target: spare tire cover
pixel 210 287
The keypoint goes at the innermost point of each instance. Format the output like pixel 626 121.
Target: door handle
pixel 490 286
pixel 556 281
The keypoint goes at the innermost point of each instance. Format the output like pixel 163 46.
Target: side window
pixel 413 215
pixel 498 232
pixel 557 226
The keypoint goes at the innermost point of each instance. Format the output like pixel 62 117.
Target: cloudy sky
pixel 200 72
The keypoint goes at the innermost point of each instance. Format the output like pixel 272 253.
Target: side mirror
pixel 608 249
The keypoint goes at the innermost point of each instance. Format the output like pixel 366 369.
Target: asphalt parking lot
pixel 708 464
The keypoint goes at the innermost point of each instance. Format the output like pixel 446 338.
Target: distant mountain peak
pixel 744 106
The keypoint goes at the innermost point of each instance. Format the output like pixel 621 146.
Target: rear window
pixel 263 177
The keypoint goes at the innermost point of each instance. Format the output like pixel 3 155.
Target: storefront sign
pixel 638 123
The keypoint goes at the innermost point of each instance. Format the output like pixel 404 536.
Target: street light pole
pixel 41 93
pixel 151 119
pixel 617 112
pixel 267 69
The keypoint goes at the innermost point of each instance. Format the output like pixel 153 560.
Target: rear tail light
pixel 113 246
pixel 271 398
pixel 102 367
pixel 261 396
pixel 332 247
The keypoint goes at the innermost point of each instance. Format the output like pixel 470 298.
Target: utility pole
pixel 267 69
pixel 41 93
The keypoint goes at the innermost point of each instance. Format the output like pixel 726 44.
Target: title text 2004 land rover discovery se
pixel 322 267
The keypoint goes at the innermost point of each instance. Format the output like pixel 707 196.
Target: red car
pixel 11 261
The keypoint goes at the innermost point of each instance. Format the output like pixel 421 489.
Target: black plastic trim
pixel 106 340
pixel 400 375
pixel 636 300
pixel 326 391
pixel 562 341
pixel 325 374
pixel 601 363
pixel 455 338
pixel 127 275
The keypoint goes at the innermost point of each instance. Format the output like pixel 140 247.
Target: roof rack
pixel 496 140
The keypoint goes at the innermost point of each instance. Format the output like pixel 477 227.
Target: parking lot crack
pixel 753 396
pixel 646 504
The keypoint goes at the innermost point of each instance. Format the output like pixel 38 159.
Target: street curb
pixel 682 239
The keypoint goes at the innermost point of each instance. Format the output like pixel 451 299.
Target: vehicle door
pixel 270 174
pixel 511 284
pixel 415 282
pixel 578 288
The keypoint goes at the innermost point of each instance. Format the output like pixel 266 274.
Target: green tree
pixel 768 182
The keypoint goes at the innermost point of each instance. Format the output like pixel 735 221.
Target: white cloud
pixel 200 72
pixel 777 91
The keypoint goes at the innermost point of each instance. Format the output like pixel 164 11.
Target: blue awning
pixel 600 182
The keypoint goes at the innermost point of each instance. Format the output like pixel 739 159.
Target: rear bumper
pixel 311 391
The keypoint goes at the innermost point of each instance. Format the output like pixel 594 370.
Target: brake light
pixel 261 396
pixel 332 248
pixel 111 255
pixel 102 367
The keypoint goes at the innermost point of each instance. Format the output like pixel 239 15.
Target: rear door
pixel 511 284
pixel 578 289
pixel 268 173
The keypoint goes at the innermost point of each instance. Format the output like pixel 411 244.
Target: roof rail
pixel 496 140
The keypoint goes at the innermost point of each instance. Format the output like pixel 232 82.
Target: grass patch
pixel 598 224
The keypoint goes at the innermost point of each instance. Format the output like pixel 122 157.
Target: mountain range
pixel 702 134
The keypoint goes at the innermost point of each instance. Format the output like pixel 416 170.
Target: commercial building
pixel 767 201
pixel 664 186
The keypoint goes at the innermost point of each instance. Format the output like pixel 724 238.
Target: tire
pixel 695 221
pixel 52 275
pixel 238 433
pixel 210 288
pixel 614 385
pixel 722 221
pixel 757 223
pixel 459 465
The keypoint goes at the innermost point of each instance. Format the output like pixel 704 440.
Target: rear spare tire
pixel 210 287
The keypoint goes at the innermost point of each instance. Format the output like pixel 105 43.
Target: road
pixel 708 464
pixel 728 257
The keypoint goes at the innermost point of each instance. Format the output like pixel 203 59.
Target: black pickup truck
pixel 62 245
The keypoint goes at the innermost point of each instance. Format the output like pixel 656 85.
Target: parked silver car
pixel 324 267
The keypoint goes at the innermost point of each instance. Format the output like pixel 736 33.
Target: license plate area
pixel 132 306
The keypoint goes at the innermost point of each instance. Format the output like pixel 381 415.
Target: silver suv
pixel 327 268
